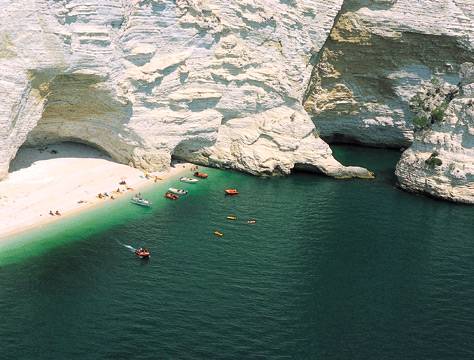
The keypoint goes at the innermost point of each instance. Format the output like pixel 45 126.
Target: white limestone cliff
pixel 378 54
pixel 440 162
pixel 217 82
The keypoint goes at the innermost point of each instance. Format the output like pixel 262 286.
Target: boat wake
pixel 129 247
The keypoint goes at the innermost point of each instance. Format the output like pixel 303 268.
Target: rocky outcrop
pixel 441 160
pixel 216 82
pixel 377 56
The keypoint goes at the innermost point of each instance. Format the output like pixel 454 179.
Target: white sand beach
pixel 65 177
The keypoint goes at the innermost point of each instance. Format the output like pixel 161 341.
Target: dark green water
pixel 332 270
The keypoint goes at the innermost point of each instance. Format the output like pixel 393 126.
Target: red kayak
pixel 171 196
pixel 231 192
pixel 142 253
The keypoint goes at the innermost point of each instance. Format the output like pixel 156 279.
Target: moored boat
pixel 231 217
pixel 218 233
pixel 188 180
pixel 171 196
pixel 231 192
pixel 177 191
pixel 140 201
pixel 201 175
pixel 251 221
pixel 142 253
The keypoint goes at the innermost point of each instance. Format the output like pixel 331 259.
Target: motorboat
pixel 140 201
pixel 201 175
pixel 142 253
pixel 218 233
pixel 231 192
pixel 251 221
pixel 188 180
pixel 231 217
pixel 177 191
pixel 171 196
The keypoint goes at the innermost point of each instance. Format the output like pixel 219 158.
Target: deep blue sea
pixel 333 269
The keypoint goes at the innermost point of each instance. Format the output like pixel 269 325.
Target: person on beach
pixel 58 213
pixel 51 212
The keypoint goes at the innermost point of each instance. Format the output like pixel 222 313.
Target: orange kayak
pixel 231 192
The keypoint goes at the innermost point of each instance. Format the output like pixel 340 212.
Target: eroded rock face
pixel 441 160
pixel 377 56
pixel 217 82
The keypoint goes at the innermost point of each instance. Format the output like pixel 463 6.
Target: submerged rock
pixel 440 161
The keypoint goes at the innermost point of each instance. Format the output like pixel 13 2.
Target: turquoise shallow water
pixel 332 270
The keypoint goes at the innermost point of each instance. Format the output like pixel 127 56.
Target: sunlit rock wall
pixel 215 82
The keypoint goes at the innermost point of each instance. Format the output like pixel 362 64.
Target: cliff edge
pixel 440 162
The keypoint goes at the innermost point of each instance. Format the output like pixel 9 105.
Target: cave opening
pixel 83 115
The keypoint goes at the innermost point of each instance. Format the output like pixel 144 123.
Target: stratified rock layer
pixel 217 82
pixel 441 160
pixel 378 54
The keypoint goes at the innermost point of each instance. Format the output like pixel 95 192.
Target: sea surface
pixel 332 269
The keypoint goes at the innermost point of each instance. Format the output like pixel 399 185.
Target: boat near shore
pixel 188 180
pixel 171 196
pixel 140 201
pixel 177 191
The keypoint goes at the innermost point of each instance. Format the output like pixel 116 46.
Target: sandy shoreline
pixel 65 177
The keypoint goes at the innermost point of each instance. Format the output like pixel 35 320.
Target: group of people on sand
pixel 105 195
pixel 152 177
pixel 101 196
pixel 54 213
pixel 117 191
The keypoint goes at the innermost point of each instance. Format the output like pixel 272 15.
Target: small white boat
pixel 140 201
pixel 188 180
pixel 177 191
